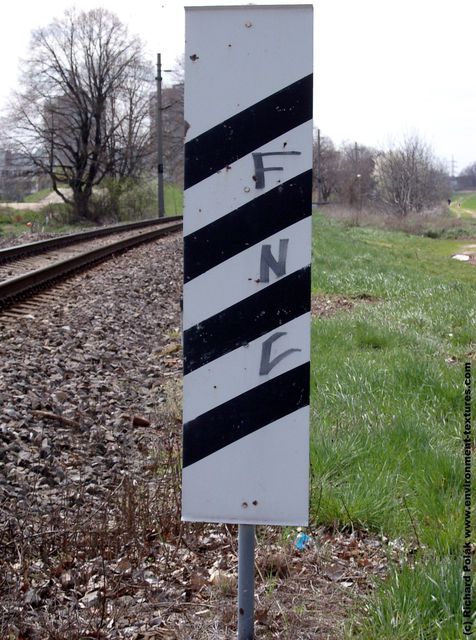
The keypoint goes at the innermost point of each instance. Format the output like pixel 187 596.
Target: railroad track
pixel 30 268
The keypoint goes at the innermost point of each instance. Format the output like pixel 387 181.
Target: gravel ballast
pixel 91 542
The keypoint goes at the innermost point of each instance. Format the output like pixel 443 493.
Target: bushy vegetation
pixel 53 218
pixel 136 200
pixel 440 222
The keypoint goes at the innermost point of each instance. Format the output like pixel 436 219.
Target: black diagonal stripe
pixel 248 130
pixel 236 326
pixel 245 414
pixel 256 220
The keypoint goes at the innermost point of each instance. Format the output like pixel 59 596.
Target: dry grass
pixel 435 223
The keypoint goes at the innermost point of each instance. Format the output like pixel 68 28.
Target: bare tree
pixel 346 174
pixel 172 124
pixel 470 170
pixel 82 112
pixel 467 177
pixel 128 116
pixel 410 178
pixel 354 174
pixel 329 163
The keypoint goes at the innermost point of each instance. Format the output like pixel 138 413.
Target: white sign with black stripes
pixel 247 239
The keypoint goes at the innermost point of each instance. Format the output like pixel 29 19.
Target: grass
pixel 37 196
pixel 140 202
pixel 53 218
pixel 14 222
pixel 450 223
pixel 415 603
pixel 387 387
pixel 464 202
pixel 173 197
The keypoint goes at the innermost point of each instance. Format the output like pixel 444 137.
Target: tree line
pixel 405 178
pixel 85 116
pixel 467 177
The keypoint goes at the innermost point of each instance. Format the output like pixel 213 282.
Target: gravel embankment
pixel 88 390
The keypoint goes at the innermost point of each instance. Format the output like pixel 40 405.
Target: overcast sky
pixel 383 68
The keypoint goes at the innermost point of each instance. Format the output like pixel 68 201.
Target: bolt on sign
pixel 247 239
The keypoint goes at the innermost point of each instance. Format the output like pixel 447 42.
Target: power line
pixel 453 166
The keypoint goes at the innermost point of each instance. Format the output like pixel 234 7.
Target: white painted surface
pixel 245 54
pixel 269 467
pixel 271 48
pixel 239 277
pixel 226 191
pixel 238 371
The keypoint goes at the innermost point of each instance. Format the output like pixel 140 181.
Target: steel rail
pixel 15 289
pixel 33 248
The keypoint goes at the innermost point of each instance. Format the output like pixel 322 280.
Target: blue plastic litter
pixel 302 541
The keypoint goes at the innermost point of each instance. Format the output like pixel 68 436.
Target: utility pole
pixel 453 166
pixel 160 149
pixel 319 176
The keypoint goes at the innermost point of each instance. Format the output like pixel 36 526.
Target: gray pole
pixel 246 581
pixel 160 150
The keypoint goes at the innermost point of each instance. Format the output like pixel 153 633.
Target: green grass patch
pixel 421 601
pixel 173 197
pixel 12 216
pixel 387 396
pixel 451 223
pixel 38 196
pixel 53 218
pixel 464 201
pixel 138 201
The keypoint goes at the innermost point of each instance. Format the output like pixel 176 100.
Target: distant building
pixel 173 131
pixel 14 165
pixel 18 176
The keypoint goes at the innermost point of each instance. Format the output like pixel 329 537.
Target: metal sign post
pixel 247 230
pixel 246 581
